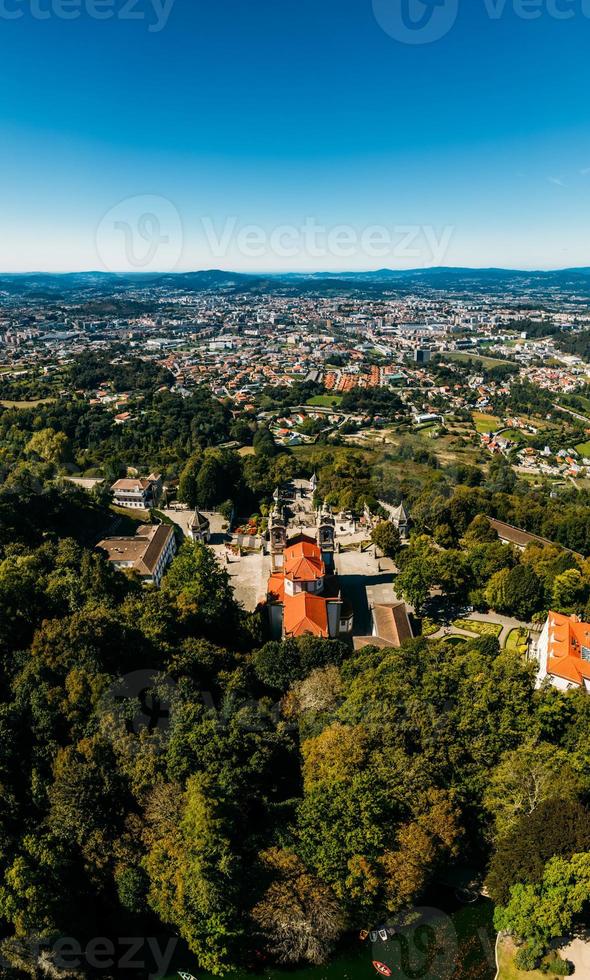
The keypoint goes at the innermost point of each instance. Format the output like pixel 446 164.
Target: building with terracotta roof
pixel 390 626
pixel 148 553
pixel 521 539
pixel 563 652
pixel 140 493
pixel 303 597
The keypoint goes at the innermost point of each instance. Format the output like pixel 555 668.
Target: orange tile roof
pixel 567 636
pixel 304 569
pixel 302 545
pixel 305 613
pixel 276 586
pixel 303 562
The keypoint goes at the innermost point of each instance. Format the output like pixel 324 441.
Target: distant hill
pixel 517 283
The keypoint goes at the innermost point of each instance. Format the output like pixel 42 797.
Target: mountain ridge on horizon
pixel 573 283
pixel 354 274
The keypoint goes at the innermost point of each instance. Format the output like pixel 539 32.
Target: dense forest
pixel 167 769
pixel 171 429
pixel 576 343
pixel 292 775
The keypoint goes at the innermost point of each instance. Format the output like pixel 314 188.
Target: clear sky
pixel 294 134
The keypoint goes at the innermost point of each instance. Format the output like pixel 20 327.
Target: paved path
pixel 576 415
pixel 182 518
pixel 578 952
pixel 506 622
pixel 249 578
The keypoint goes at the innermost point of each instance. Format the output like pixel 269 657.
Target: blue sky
pixel 239 118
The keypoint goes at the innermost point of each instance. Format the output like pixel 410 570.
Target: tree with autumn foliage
pixel 298 916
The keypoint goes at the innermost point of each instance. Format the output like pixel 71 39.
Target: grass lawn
pixel 486 423
pixel 584 449
pixel 488 362
pixel 456 641
pixel 480 629
pixel 247 451
pixel 131 518
pixel 32 404
pixel 508 970
pixel 326 401
pixel 429 627
pixel 517 435
pixel 517 641
pixel 117 522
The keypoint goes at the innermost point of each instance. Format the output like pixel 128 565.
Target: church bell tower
pixel 326 536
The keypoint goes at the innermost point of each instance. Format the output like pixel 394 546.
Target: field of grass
pixel 114 522
pixel 488 362
pixel 31 404
pixel 314 456
pixel 326 401
pixel 517 641
pixel 516 435
pixel 247 451
pixel 541 424
pixel 582 404
pixel 583 449
pixel 135 515
pixel 480 629
pixel 486 423
pixel 448 448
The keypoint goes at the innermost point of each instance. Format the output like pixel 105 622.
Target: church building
pixel 303 590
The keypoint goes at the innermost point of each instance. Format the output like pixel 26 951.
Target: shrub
pixel 558 967
pixel 478 627
pixel 226 509
pixel 526 958
pixel 429 627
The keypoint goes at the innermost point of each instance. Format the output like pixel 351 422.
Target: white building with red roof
pixel 563 652
pixel 303 599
